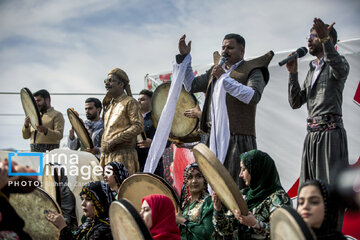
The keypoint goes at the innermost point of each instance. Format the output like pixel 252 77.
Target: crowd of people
pixel 122 131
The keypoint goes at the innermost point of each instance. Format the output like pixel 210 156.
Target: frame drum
pixel 80 129
pixel 140 185
pixel 181 125
pixel 286 223
pixel 219 178
pixel 30 107
pixel 32 208
pixel 126 222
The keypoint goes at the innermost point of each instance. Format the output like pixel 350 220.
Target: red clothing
pixel 163 218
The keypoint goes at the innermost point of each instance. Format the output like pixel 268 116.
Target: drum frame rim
pixel 89 143
pixel 140 224
pixel 30 95
pixel 205 152
pixel 160 179
pixel 301 225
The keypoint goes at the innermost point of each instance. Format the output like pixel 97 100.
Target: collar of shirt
pixel 47 111
pixel 233 66
pixel 144 115
pixel 119 98
pixel 317 70
pixel 315 63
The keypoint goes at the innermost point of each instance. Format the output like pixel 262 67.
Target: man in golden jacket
pixel 122 122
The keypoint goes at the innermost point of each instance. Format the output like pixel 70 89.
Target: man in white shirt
pixel 232 93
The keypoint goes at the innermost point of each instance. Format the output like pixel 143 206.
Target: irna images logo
pixel 36 156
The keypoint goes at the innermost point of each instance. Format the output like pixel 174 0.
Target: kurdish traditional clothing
pixel 325 150
pixel 54 121
pixel 263 196
pixel 123 122
pixel 97 227
pixel 232 126
pixel 198 213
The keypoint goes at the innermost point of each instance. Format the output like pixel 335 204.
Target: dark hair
pixel 330 204
pixel 239 39
pixel 96 102
pixel 146 92
pixel 42 93
pixel 332 34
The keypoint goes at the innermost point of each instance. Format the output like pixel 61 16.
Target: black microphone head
pixel 301 51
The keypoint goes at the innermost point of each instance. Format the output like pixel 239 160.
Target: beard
pixel 91 117
pixel 316 50
pixel 42 108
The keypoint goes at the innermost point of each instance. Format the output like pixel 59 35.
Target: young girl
pixel 319 210
pixel 195 217
pixel 96 199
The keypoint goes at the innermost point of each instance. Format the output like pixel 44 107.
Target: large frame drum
pixel 126 223
pixel 140 185
pixel 32 208
pixel 286 223
pixel 182 126
pixel 30 107
pixel 219 179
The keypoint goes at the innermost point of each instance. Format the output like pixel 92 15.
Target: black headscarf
pixel 329 225
pixel 264 177
pixel 100 194
pixel 119 171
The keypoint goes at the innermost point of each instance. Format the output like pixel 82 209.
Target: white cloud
pixel 69 46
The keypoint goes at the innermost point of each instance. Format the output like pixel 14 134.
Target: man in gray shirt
pixel 325 150
pixel 93 124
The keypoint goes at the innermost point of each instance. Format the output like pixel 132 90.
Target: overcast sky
pixel 69 46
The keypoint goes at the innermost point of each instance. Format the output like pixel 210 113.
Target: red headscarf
pixel 163 217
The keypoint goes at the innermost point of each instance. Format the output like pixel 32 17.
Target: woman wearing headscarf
pixel 263 194
pixel 195 217
pixel 158 213
pixel 96 199
pixel 114 175
pixel 319 210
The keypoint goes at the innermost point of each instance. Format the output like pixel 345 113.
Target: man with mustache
pixel 325 150
pixel 47 136
pixel 122 122
pixel 240 84
pixel 93 124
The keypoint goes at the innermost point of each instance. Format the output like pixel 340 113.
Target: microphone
pixel 222 61
pixel 300 52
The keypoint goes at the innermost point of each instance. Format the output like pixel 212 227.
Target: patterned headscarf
pixel 119 171
pixel 264 177
pixel 163 217
pixel 185 191
pixel 100 194
pixel 329 225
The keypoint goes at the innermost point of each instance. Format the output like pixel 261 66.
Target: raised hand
pixel 184 48
pixel 321 29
